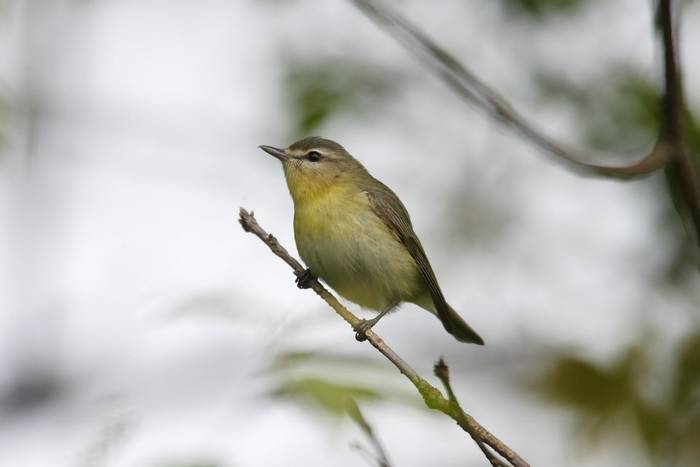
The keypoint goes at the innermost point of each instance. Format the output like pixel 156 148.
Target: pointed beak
pixel 274 152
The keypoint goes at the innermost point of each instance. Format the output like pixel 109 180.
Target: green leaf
pixel 595 393
pixel 328 396
pixel 355 414
pixel 583 385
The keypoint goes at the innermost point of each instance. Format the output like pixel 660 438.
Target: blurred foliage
pixel 315 379
pixel 331 397
pixel 686 384
pixel 356 414
pixel 596 392
pixel 325 395
pixel 614 399
pixel 316 91
pixel 295 359
pixel 621 112
pixel 379 457
pixel 540 9
pixel 618 111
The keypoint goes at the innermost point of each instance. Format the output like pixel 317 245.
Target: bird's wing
pixel 389 208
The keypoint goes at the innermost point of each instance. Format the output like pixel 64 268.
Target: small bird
pixel 353 232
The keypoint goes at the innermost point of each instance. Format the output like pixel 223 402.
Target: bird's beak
pixel 274 152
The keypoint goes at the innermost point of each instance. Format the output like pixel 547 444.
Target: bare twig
pixel 432 397
pixel 442 371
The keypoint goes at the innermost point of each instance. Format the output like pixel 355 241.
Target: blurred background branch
pixel 674 118
pixel 358 417
pixel 670 150
pixel 431 395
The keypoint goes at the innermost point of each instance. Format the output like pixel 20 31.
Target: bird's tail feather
pixel 455 325
pixel 450 319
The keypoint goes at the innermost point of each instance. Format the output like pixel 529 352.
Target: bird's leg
pixel 366 324
pixel 304 279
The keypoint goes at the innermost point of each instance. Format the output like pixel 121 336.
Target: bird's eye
pixel 313 156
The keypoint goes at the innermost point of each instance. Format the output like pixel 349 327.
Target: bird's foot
pixel 304 279
pixel 362 327
pixel 365 325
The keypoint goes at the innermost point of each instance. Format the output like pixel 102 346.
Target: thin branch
pixel 432 397
pixel 475 91
pixel 673 124
pixel 366 454
pixel 442 371
pixel 670 150
pixel 495 461
pixel 356 414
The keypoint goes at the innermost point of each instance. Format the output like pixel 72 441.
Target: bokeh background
pixel 141 327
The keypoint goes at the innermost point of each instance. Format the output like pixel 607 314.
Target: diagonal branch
pixel 442 372
pixel 670 150
pixel 356 414
pixel 432 397
pixel 475 91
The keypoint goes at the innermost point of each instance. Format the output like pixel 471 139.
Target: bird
pixel 354 233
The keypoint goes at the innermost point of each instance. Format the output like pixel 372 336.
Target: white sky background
pixel 129 281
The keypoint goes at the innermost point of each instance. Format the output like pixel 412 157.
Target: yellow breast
pixel 343 242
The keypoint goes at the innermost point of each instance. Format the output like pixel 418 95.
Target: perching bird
pixel 353 232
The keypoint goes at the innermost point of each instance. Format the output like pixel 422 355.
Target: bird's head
pixel 314 165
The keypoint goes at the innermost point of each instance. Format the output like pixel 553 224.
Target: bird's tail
pixel 450 319
pixel 455 325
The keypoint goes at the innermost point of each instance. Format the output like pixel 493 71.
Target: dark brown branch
pixel 673 123
pixel 432 397
pixel 670 151
pixel 472 89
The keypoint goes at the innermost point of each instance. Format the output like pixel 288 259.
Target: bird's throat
pixel 308 188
